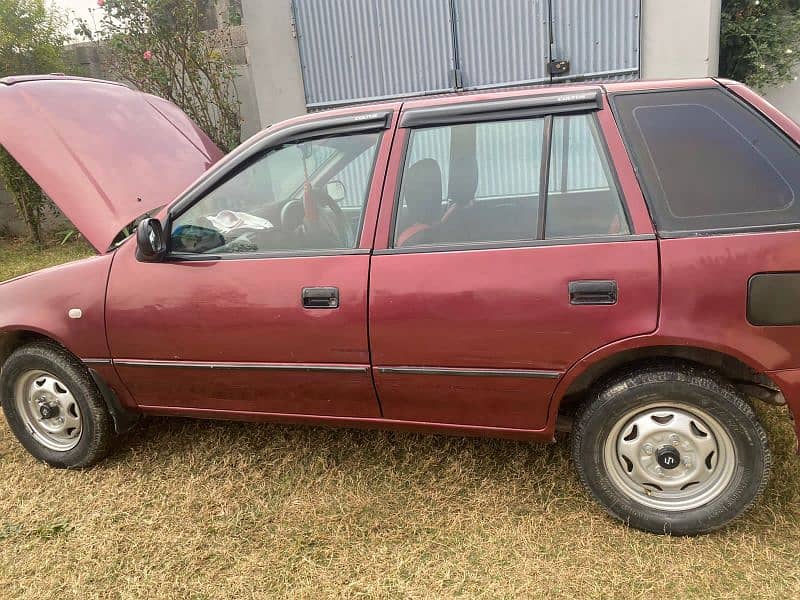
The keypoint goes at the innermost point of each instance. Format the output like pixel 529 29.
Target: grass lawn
pixel 17 257
pixel 213 509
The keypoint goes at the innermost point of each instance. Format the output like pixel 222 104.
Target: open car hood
pixel 104 153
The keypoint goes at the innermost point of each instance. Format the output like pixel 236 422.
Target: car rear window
pixel 481 183
pixel 708 162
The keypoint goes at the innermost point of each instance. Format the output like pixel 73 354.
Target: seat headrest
pixel 422 191
pixel 463 182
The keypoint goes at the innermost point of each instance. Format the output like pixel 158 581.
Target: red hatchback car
pixel 621 259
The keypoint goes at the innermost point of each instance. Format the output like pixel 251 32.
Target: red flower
pixel 147 55
pixel 101 3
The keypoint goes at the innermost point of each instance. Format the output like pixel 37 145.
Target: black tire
pixel 680 387
pixel 97 428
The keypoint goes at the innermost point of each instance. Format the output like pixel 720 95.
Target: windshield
pixel 279 176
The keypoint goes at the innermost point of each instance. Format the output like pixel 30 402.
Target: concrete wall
pixel 251 117
pixel 274 59
pixel 239 54
pixel 786 97
pixel 680 38
pixel 11 224
pixel 88 58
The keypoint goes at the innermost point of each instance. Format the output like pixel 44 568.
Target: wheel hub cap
pixel 669 456
pixel 49 410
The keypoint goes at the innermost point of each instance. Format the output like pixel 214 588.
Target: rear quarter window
pixel 708 162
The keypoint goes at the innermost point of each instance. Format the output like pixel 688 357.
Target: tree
pixel 32 36
pixel 759 41
pixel 161 47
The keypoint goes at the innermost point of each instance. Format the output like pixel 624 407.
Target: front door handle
pixel 321 297
pixel 593 291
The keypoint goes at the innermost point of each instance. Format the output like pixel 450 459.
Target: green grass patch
pixel 18 257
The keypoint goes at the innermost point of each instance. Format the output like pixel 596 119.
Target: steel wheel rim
pixel 639 459
pixel 48 410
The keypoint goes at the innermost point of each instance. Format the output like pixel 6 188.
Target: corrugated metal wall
pixel 575 163
pixel 600 38
pixel 352 50
pixel 359 50
pixel 502 42
pixel 356 178
pixel 508 155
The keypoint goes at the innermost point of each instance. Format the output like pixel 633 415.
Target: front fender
pixel 42 302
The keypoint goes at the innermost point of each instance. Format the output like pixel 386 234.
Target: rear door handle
pixel 593 291
pixel 321 297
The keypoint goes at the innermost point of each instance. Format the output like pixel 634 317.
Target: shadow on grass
pixel 534 473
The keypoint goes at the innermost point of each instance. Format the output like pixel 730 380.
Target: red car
pixel 619 259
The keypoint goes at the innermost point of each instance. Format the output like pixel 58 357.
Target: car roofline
pixel 482 95
pixel 20 79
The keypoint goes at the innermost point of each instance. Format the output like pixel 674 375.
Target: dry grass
pixel 213 510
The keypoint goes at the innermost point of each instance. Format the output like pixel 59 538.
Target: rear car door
pixel 261 303
pixel 511 243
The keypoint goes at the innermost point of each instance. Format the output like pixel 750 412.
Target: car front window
pixel 301 196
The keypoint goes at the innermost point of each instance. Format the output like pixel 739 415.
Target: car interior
pixel 320 210
pixel 431 214
pixel 315 192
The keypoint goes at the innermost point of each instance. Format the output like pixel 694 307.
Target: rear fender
pixel 728 360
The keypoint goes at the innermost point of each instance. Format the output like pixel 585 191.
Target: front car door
pixel 506 254
pixel 261 304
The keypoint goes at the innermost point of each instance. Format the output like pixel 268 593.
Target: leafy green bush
pixel 161 47
pixel 759 41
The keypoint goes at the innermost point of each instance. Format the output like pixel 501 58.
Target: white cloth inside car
pixel 228 220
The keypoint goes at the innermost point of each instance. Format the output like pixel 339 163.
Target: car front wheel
pixel 54 408
pixel 671 449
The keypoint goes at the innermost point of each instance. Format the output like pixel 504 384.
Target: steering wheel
pixel 322 220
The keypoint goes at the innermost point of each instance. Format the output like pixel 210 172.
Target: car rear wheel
pixel 54 408
pixel 671 448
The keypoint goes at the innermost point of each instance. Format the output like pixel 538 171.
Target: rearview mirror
pixel 336 190
pixel 150 243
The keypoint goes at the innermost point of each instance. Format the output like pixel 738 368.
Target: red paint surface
pixel 39 302
pixel 626 176
pixel 502 309
pixel 248 311
pixel 499 309
pixel 504 402
pixel 790 127
pixel 109 375
pixel 704 294
pixel 286 392
pixel 540 435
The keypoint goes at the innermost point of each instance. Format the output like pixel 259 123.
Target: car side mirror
pixel 150 243
pixel 336 190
